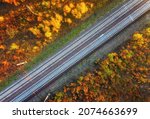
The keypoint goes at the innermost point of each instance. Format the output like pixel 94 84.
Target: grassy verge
pixel 61 42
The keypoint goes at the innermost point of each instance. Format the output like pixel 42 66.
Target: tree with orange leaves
pixel 15 2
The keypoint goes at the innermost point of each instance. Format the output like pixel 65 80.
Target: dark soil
pixel 5 8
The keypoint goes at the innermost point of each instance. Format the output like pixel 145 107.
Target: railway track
pixel 76 50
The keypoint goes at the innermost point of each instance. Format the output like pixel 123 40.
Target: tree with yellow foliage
pixel 80 9
pixel 14 46
pixel 56 22
pixel 137 36
pixel 68 20
pixel 66 9
pixel 139 39
pixel 147 32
